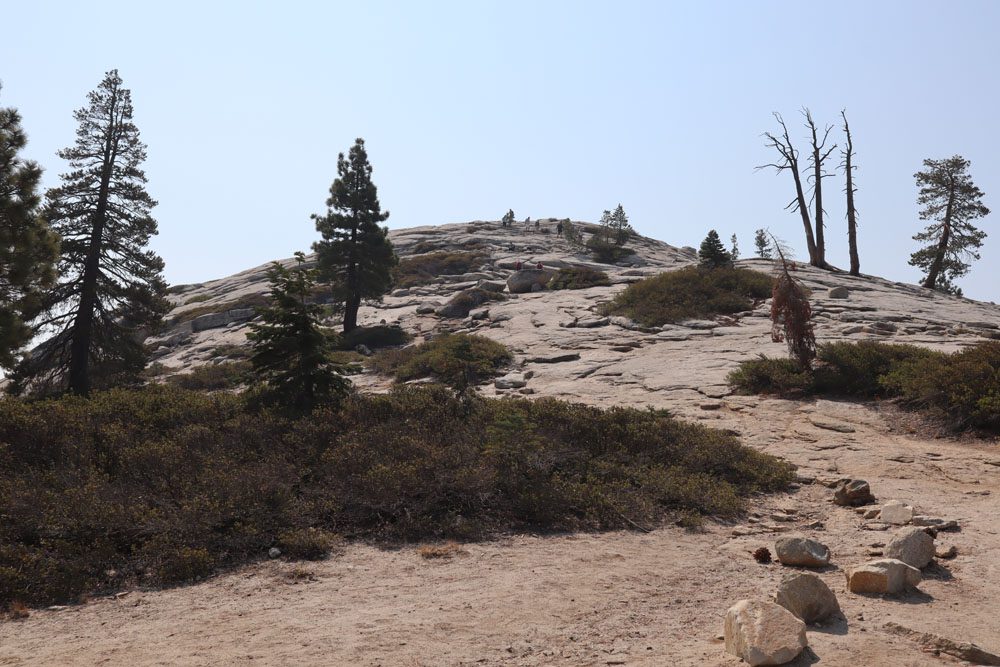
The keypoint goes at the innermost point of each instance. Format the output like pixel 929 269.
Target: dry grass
pixel 446 550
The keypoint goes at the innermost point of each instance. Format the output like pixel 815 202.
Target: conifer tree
pixel 28 248
pixel 712 254
pixel 951 201
pixel 355 254
pixel 762 244
pixel 291 351
pixel 110 291
pixel 615 226
pixel 734 249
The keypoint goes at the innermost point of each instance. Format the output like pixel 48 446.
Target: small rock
pixel 480 314
pixel 511 381
pixel 426 309
pixel 886 575
pixel 853 492
pixel 870 513
pixel 831 425
pixel 363 350
pixel 763 633
pixel 592 322
pixel 896 512
pixel 839 292
pixel 911 545
pixel 273 552
pixel 798 550
pixel 935 522
pixel 555 358
pixel 947 554
pixel 808 597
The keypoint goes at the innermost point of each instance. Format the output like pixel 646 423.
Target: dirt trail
pixel 607 599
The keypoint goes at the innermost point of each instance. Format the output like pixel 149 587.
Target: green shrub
pixel 578 277
pixel 962 388
pixel 856 368
pixel 306 543
pixel 213 377
pixel 198 298
pixel 162 485
pixel 689 293
pixel 765 375
pixel 606 251
pixel 425 269
pixel 458 360
pixel 373 337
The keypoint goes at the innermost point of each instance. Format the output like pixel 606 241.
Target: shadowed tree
pixel 950 200
pixel 847 164
pixel 291 351
pixel 110 291
pixel 28 248
pixel 355 254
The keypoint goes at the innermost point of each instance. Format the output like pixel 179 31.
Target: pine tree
pixel 28 248
pixel 291 351
pixel 355 255
pixel 762 243
pixel 110 291
pixel 950 200
pixel 712 253
pixel 734 250
pixel 617 225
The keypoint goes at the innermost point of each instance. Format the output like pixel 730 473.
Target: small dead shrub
pixel 307 543
pixel 446 550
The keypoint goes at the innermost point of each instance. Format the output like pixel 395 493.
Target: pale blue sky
pixel 551 108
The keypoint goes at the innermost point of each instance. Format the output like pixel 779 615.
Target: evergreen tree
pixel 951 201
pixel 28 248
pixel 734 251
pixel 355 255
pixel 763 244
pixel 291 351
pixel 615 227
pixel 712 253
pixel 110 291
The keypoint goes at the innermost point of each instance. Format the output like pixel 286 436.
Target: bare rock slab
pixel 808 597
pixel 911 545
pixel 801 551
pixel 886 575
pixel 763 633
pixel 853 493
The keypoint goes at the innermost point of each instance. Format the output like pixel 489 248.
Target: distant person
pixel 537 224
pixel 539 266
pixel 517 265
pixel 559 227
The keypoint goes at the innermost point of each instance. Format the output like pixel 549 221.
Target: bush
pixel 424 269
pixel 690 293
pixel 856 369
pixel 606 251
pixel 765 375
pixel 214 377
pixel 373 337
pixel 578 277
pixel 458 360
pixel 161 485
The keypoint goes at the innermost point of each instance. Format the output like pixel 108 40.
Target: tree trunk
pixel 820 240
pixel 353 302
pixel 804 212
pixel 83 324
pixel 852 216
pixel 942 248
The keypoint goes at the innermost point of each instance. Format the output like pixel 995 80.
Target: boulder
pixel 799 550
pixel 896 512
pixel 523 281
pixel 886 575
pixel 699 324
pixel 853 492
pixel 911 545
pixel 839 292
pixel 510 381
pixel 242 314
pixel 491 285
pixel 209 321
pixel 808 597
pixel 592 322
pixel 481 314
pixel 426 309
pixel 763 633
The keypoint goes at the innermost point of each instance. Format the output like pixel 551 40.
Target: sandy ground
pixel 607 599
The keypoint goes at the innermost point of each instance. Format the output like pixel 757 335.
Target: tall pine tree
pixel 28 248
pixel 951 201
pixel 291 351
pixel 355 254
pixel 110 291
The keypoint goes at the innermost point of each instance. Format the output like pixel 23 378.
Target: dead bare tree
pixel 819 156
pixel 789 161
pixel 847 164
pixel 791 314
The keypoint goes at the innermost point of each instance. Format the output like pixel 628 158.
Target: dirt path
pixel 608 599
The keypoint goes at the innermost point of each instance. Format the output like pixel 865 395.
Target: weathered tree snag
pixel 852 214
pixel 790 161
pixel 817 159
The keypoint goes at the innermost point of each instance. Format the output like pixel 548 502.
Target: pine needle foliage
pixel 712 254
pixel 291 350
pixel 28 248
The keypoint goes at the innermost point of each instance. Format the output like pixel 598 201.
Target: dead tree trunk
pixel 818 157
pixel 789 160
pixel 850 189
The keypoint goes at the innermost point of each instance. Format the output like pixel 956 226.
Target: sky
pixel 552 108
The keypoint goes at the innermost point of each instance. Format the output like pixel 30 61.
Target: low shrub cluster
pixel 578 277
pixel 607 251
pixel 457 360
pixel 424 269
pixel 961 389
pixel 373 337
pixel 161 485
pixel 690 293
pixel 214 377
